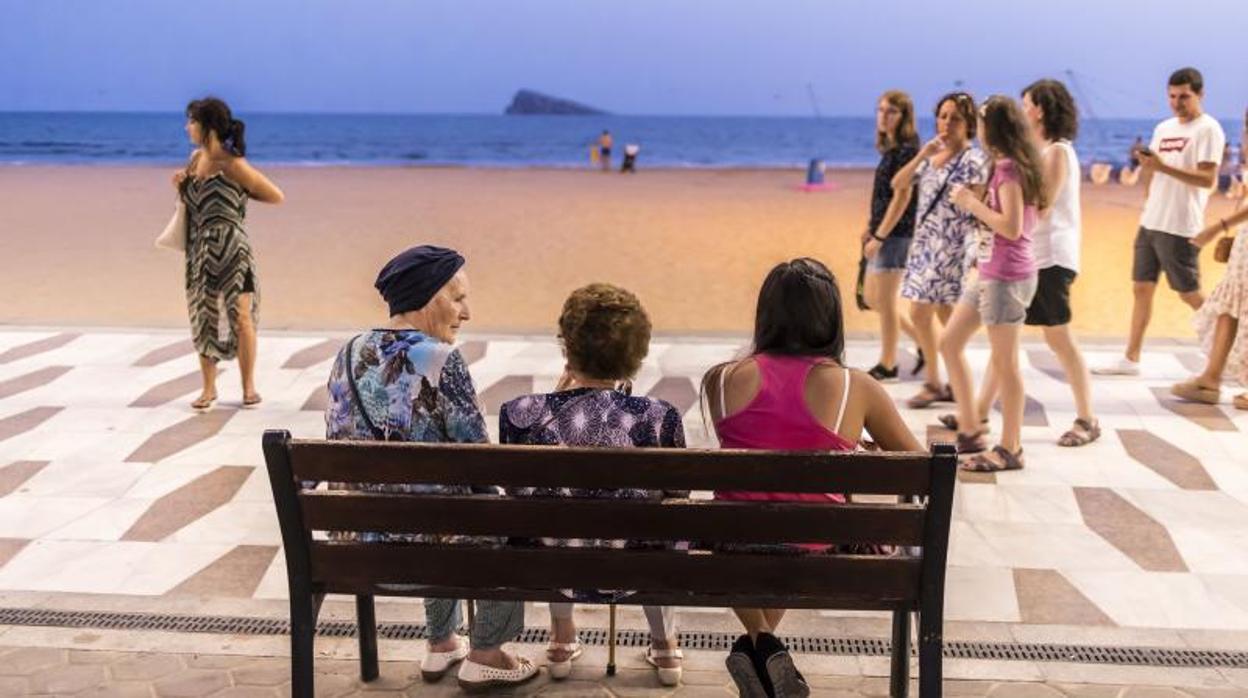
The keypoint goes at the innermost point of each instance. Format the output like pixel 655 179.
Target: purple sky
pixel 628 56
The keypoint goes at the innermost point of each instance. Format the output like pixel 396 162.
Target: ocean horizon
pixel 484 140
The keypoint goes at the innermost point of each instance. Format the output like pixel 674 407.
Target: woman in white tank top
pixel 1055 245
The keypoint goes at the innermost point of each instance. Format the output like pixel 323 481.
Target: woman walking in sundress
pixel 222 291
pixel 937 261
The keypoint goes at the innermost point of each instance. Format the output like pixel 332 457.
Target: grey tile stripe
pixel 23 422
pixel 14 475
pixel 10 547
pixel 1046 597
pixel 677 390
pixel 181 436
pixel 30 349
pixel 493 397
pixel 317 400
pixel 188 503
pixel 313 355
pixel 235 574
pixel 32 380
pixel 1166 459
pixel 1127 528
pixel 172 389
pixel 169 352
pixel 1207 416
pixel 1033 412
pixel 1045 362
pixel 473 351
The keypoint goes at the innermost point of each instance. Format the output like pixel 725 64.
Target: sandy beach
pixel 693 244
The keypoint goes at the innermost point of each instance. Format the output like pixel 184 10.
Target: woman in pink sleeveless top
pixel 794 393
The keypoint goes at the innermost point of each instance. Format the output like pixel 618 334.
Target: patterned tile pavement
pixel 110 484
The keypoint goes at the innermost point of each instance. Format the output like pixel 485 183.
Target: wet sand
pixel 694 245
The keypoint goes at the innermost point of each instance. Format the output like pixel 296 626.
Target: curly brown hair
pixel 605 332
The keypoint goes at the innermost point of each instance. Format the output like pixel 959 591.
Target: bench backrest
pixel 659 575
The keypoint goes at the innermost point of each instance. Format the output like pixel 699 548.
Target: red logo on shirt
pixel 1172 145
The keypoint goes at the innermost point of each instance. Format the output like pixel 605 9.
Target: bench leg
pixel 366 626
pixel 611 640
pixel 931 648
pixel 302 636
pixel 472 614
pixel 899 682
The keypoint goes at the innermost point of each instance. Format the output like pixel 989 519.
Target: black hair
pixel 799 312
pixel 213 116
pixel 1061 116
pixel 1188 76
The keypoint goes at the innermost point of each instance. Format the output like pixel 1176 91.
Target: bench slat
pixel 825 600
pixel 336 566
pixel 656 469
pixel 747 522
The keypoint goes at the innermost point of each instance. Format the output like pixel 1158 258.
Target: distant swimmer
pixel 605 141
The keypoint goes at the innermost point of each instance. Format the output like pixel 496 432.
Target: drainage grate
pixel 694 640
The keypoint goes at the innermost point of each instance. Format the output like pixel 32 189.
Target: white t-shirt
pixel 1174 207
pixel 1055 241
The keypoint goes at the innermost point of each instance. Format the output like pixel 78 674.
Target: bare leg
pixel 958 332
pixel 1223 339
pixel 759 620
pixel 1062 341
pixel 246 346
pixel 562 630
pixel 884 286
pixel 208 374
pixel 921 315
pixel 1194 299
pixel 1004 340
pixel 1141 315
pixel 987 393
pixel 944 312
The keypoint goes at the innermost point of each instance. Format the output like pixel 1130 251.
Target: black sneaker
pixel 882 374
pixel 777 664
pixel 742 667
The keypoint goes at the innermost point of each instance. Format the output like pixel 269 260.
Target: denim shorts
pixel 1001 302
pixel 892 255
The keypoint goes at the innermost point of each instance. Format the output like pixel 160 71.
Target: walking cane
pixel 611 640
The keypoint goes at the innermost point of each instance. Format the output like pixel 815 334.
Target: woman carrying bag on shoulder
pixel 220 266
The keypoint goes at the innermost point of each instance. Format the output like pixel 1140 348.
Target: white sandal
pixel 562 669
pixel 479 677
pixel 668 676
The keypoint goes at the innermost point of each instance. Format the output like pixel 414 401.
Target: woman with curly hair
pixel 605 335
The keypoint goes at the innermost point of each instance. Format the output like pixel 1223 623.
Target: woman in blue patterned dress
pixel 605 335
pixel 407 382
pixel 943 233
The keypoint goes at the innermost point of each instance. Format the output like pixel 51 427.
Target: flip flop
pixel 250 401
pixel 203 404
pixel 1240 401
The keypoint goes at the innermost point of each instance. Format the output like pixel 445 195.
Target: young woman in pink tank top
pixel 794 393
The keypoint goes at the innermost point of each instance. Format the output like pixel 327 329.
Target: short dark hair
pixel 605 332
pixel 965 104
pixel 1188 76
pixel 1061 116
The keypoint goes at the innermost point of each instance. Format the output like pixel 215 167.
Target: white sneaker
pixel 435 664
pixel 479 677
pixel 1122 367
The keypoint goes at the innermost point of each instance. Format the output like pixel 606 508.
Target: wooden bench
pixel 902 584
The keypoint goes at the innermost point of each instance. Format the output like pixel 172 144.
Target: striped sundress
pixel 219 263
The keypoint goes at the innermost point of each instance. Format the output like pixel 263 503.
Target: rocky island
pixel 533 102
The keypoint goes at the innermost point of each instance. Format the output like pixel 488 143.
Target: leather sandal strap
pixel 656 653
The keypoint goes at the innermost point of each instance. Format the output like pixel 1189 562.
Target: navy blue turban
pixel 410 280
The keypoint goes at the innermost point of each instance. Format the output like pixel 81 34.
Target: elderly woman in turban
pixel 407 382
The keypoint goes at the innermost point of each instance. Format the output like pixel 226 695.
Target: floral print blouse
pixel 413 388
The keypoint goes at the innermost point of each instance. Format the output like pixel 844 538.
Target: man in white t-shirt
pixel 1180 169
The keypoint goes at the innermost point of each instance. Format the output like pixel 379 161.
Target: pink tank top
pixel 778 418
